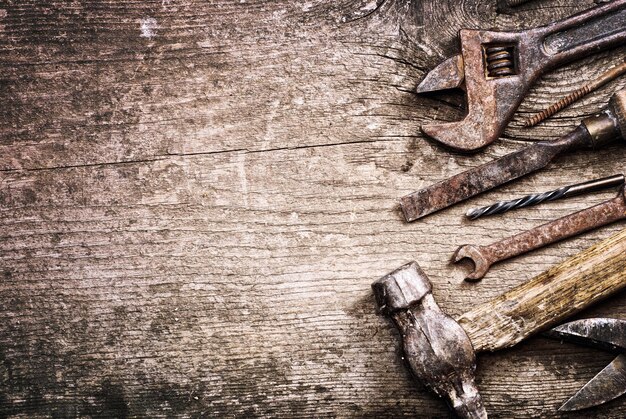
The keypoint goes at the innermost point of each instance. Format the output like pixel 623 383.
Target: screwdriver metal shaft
pixel 534 199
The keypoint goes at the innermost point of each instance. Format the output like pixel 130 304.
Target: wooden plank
pixel 195 199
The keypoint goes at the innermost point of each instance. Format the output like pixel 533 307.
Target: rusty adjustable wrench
pixel 498 68
pixel 570 225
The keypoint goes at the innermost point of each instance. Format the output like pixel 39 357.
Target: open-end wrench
pixel 570 225
pixel 498 68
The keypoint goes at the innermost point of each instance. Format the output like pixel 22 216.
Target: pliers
pixel 603 333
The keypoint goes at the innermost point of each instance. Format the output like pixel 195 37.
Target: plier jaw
pixel 603 333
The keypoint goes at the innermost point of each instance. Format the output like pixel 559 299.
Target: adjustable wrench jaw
pixel 491 99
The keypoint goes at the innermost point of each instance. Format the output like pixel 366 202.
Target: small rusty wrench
pixel 570 225
pixel 498 68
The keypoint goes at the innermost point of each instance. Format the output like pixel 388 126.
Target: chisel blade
pixel 482 178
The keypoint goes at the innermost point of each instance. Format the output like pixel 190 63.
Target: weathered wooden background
pixel 196 196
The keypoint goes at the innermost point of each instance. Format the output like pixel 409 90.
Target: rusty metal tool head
pixel 440 350
pixel 594 132
pixel 603 333
pixel 497 69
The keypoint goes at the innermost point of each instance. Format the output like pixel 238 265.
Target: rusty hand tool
pixel 570 225
pixel 440 351
pixel 608 384
pixel 498 68
pixel 563 192
pixel 594 132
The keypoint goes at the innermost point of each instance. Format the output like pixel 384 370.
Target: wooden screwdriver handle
pixel 547 299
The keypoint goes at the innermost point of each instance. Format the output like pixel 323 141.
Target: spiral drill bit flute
pixel 501 207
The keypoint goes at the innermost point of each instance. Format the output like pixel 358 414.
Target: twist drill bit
pixel 534 199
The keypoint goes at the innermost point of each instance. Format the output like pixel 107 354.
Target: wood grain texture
pixel 196 196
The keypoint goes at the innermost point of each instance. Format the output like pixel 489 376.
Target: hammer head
pixel 436 348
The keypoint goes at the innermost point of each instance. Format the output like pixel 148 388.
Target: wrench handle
pixel 568 226
pixel 585 33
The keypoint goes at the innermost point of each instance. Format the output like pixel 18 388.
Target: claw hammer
pixel 441 350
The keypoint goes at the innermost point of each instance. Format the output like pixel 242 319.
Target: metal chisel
pixel 594 132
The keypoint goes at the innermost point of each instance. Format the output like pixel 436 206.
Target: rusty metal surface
pixel 498 68
pixel 617 109
pixel 588 219
pixel 594 132
pixel 610 382
pixel 483 178
pixel 447 75
pixel 436 348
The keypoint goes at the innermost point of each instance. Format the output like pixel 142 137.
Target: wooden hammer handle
pixel 547 299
